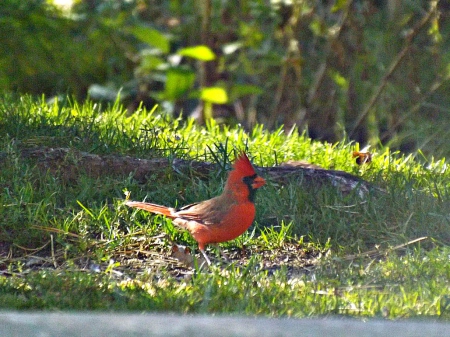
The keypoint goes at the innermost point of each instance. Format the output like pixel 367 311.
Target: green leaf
pixel 152 37
pixel 178 82
pixel 339 5
pixel 202 53
pixel 150 62
pixel 434 31
pixel 214 95
pixel 340 80
pixel 317 27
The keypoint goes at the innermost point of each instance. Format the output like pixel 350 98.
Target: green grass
pixel 74 245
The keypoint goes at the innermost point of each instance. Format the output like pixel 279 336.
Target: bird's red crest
pixel 243 165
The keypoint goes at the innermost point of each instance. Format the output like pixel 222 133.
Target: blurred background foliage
pixel 376 72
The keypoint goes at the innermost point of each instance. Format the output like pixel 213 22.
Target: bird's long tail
pixel 153 208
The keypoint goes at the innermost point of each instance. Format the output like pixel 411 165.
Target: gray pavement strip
pixel 68 324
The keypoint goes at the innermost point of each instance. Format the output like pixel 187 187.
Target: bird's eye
pixel 249 180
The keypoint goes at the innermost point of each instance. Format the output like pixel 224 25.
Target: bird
pixel 222 218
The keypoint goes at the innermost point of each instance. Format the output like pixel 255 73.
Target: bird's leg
pixel 206 257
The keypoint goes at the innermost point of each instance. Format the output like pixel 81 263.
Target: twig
pixel 434 87
pixel 55 230
pixel 394 65
pixel 376 252
pixel 55 264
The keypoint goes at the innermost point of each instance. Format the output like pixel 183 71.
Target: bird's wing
pixel 208 212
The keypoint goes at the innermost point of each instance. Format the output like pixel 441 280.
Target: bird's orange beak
pixel 258 182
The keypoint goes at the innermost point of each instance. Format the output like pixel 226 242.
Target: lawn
pixel 67 241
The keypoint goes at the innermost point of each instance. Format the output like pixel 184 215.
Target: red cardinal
pixel 219 219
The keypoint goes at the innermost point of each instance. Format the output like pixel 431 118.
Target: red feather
pixel 243 165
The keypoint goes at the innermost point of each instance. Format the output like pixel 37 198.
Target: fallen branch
pixel 68 164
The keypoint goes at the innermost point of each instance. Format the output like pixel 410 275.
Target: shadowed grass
pixel 396 287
